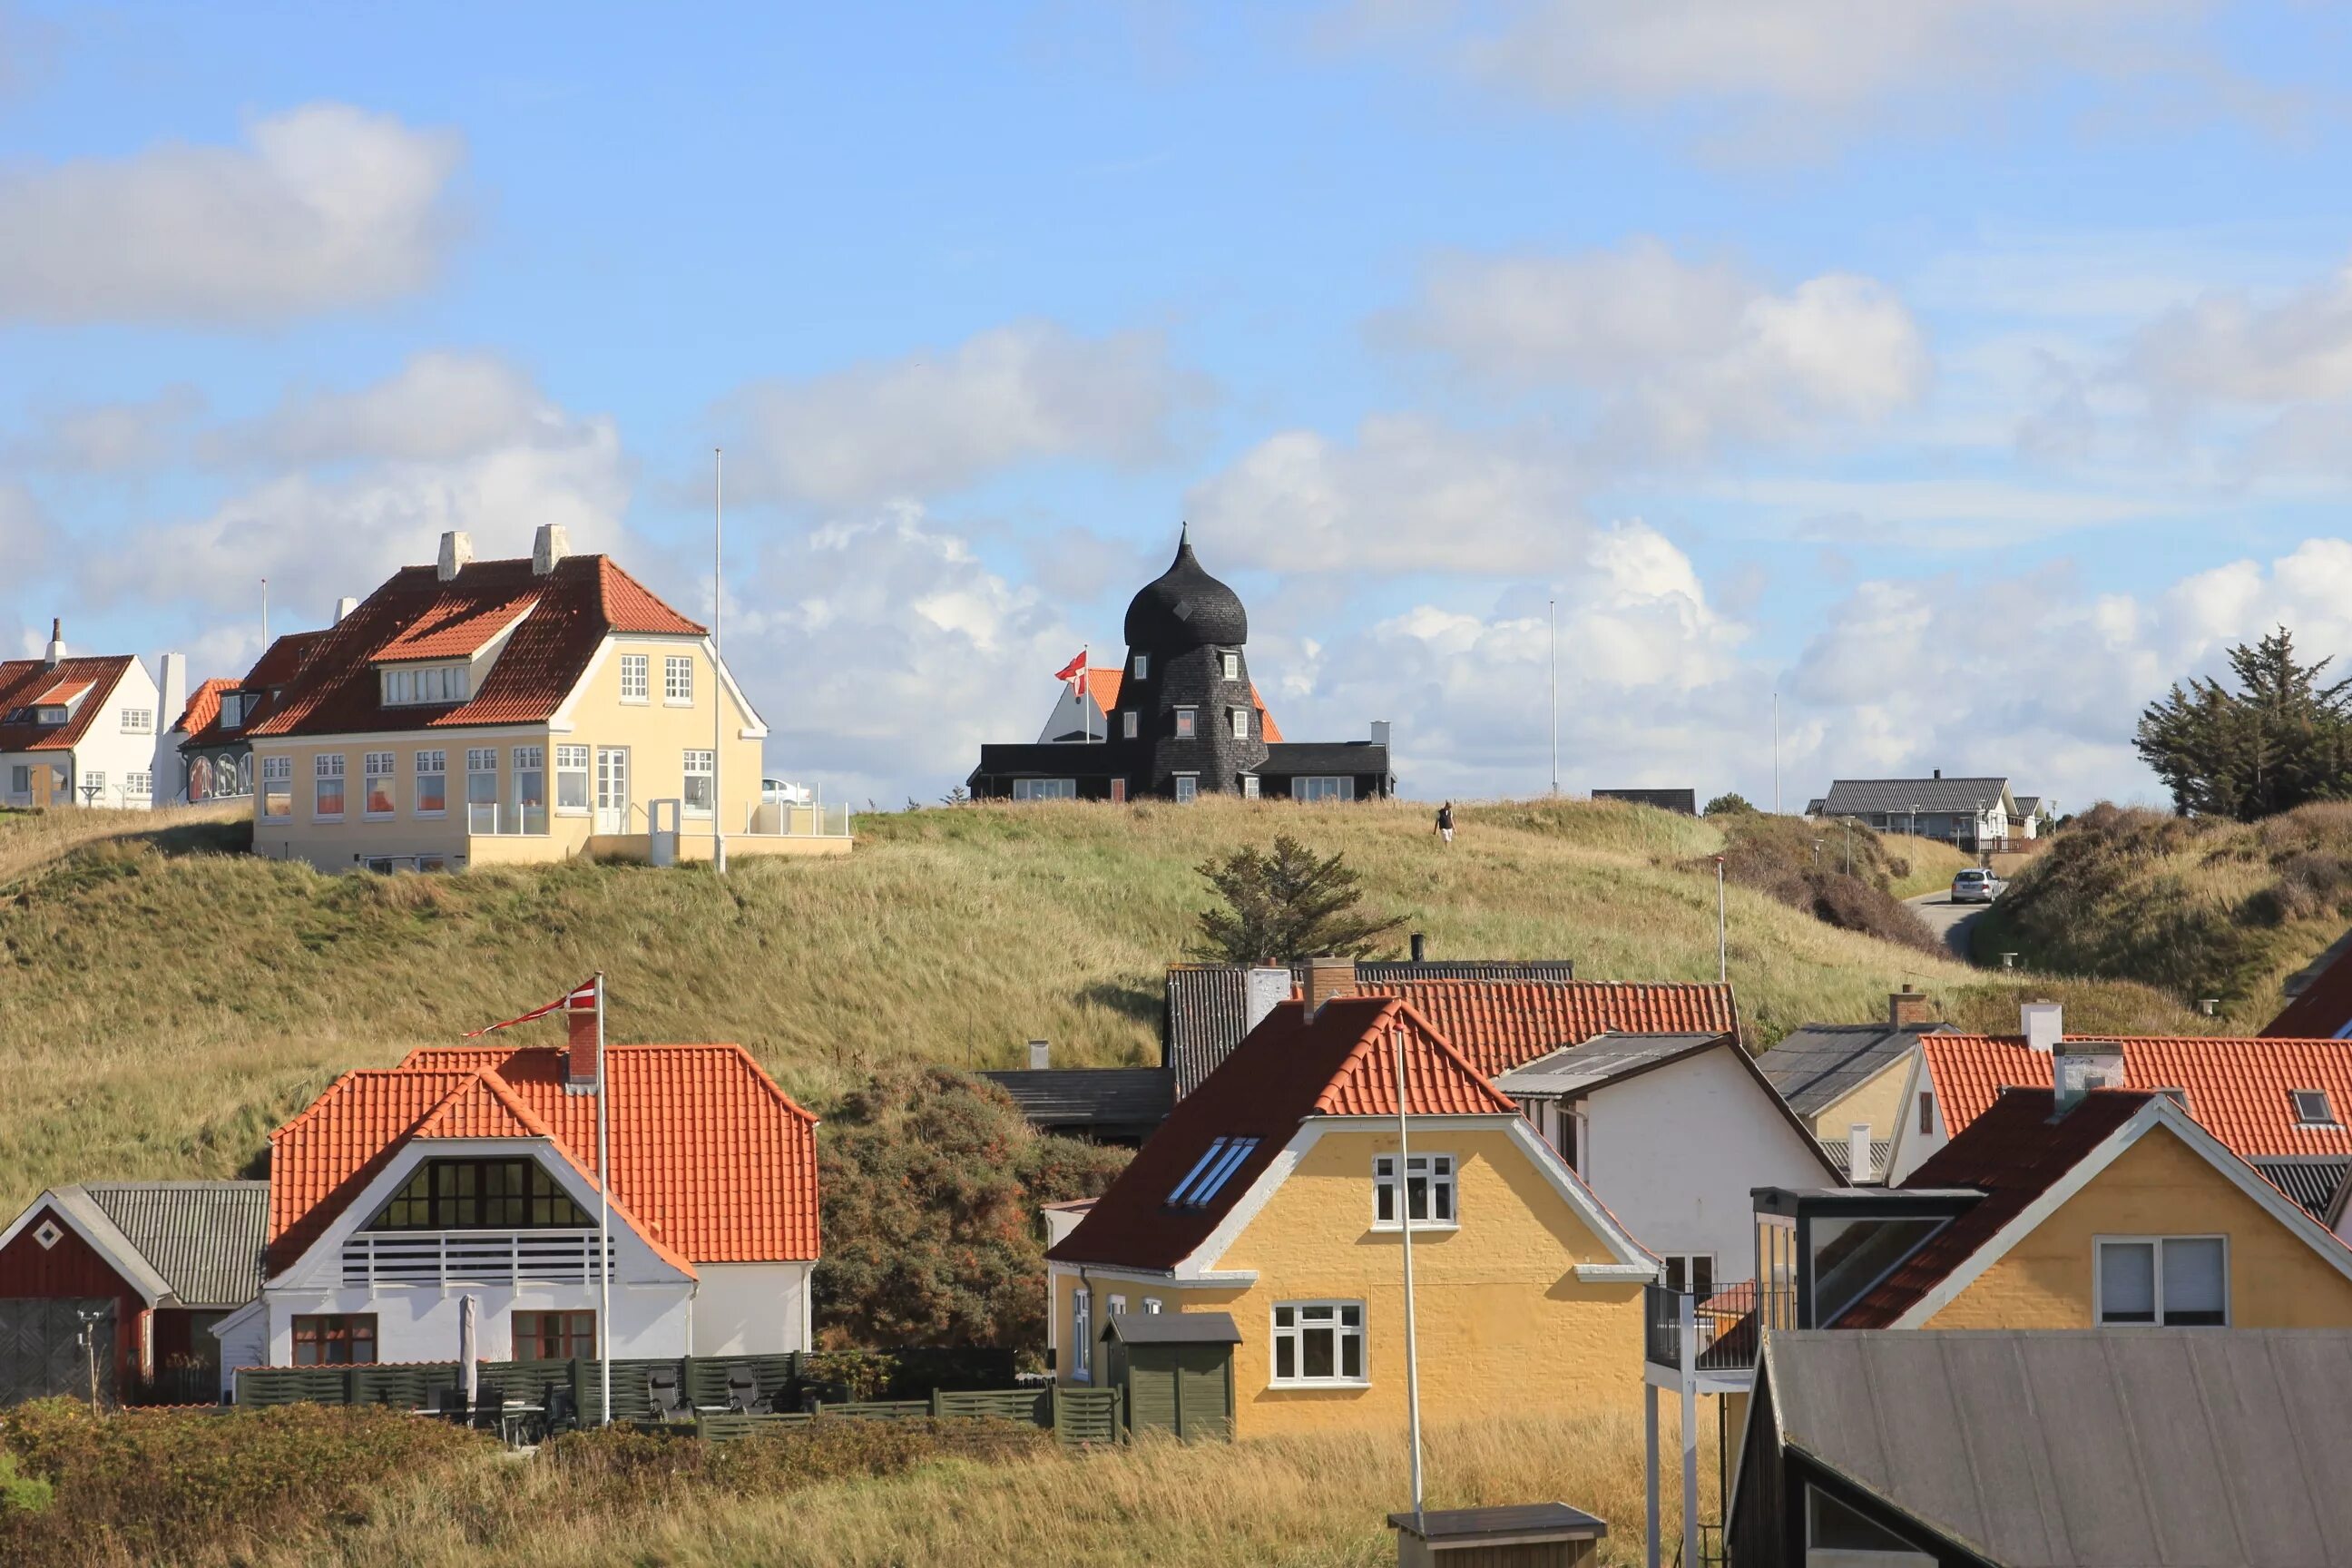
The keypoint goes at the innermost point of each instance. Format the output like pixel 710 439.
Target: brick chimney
pixel 1908 1008
pixel 2043 1025
pixel 580 1060
pixel 456 550
pixel 2078 1066
pixel 1328 977
pixel 551 545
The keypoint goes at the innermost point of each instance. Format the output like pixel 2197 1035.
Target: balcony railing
pixel 471 1257
pixel 1728 1325
pixel 494 820
pixel 776 819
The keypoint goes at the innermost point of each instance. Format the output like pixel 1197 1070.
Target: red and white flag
pixel 1074 672
pixel 581 1000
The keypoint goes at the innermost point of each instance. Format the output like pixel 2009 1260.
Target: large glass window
pixel 1044 789
pixel 531 788
pixel 336 1338
pixel 1429 1190
pixel 378 800
pixel 432 784
pixel 1850 1256
pixel 432 683
pixel 328 800
pixel 2178 1281
pixel 699 780
pixel 1319 1341
pixel 482 788
pixel 554 1336
pixel 1310 789
pixel 572 778
pixel 277 786
pixel 481 1195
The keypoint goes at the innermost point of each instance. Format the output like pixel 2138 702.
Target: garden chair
pixel 744 1393
pixel 667 1400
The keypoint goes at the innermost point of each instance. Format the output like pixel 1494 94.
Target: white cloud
pixel 326 207
pixel 111 438
pixel 1681 356
pixel 1408 495
pixel 439 407
pixel 934 423
pixel 1938 514
pixel 2232 348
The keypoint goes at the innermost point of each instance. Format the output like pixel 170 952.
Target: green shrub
pixel 21 1493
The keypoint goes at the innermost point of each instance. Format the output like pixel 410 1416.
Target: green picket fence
pixel 1087 1415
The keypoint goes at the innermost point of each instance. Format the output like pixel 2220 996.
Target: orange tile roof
pixel 1341 1062
pixel 203 706
pixel 335 689
pixel 25 682
pixel 1106 681
pixel 711 1161
pixel 1502 1024
pixel 2238 1090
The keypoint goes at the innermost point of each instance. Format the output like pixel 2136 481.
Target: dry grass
pixel 29 839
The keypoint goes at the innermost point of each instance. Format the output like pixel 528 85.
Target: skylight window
pixel 1209 1175
pixel 2311 1108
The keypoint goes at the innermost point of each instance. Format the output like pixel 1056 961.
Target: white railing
pixel 775 819
pixel 488 819
pixel 470 1257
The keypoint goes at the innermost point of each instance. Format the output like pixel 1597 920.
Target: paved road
pixel 1954 923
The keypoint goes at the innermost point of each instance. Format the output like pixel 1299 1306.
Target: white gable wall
pixel 1676 1150
pixel 751 1309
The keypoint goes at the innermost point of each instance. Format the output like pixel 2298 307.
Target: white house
pixel 88 731
pixel 1674 1132
pixel 472 1172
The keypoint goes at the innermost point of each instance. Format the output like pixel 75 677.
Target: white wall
pixel 751 1309
pixel 1675 1152
pixel 105 748
pixel 244 1341
pixel 420 1322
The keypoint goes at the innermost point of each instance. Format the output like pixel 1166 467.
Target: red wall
pixel 75 1270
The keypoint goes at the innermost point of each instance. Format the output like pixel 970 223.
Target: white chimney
pixel 2043 1025
pixel 2079 1066
pixel 346 605
pixel 1379 731
pixel 1857 1153
pixel 54 655
pixel 551 545
pixel 171 697
pixel 456 550
pixel 1041 1052
pixel 1269 987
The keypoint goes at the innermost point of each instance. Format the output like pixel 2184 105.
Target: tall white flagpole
pixel 718 630
pixel 603 1206
pixel 1411 1346
pixel 1551 619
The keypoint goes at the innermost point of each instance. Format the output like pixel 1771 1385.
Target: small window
pixel 1249 787
pixel 1143 667
pixel 432 782
pixel 1229 665
pixel 636 679
pixel 2177 1282
pixel 1211 1171
pixel 2311 1108
pixel 1689 1273
pixel 1241 723
pixel 1429 1191
pixel 1151 1306
pixel 554 1336
pixel 1188 788
pixel 1082 1335
pixel 232 710
pixel 277 786
pixel 95 782
pixel 1187 722
pixel 1126 723
pixel 700 781
pixel 138 786
pixel 377 802
pixel 1117 1308
pixel 1319 1341
pixel 139 721
pixel 678 679
pixel 327 799
pixel 341 1339
pixel 1926 1111
pixel 571 779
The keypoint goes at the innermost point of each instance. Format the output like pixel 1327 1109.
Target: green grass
pixel 163 1005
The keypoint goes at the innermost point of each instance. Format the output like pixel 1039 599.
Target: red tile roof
pixel 2012 1152
pixel 711 1161
pixel 280 663
pixel 1341 1062
pixel 572 610
pixel 1105 681
pixel 1502 1024
pixel 26 681
pixel 2237 1089
pixel 203 706
pixel 2322 1010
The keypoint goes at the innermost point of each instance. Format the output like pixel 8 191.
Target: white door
pixel 612 789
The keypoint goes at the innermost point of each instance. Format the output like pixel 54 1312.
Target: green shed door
pixel 1203 1377
pixel 1152 1381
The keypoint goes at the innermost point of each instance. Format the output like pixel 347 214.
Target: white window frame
pixel 432 765
pixel 1044 789
pixel 374 765
pixel 1188 723
pixel 1188 788
pixel 636 677
pixel 1117 1307
pixel 1127 723
pixel 139 721
pixel 574 761
pixel 1249 787
pixel 1229 665
pixel 1441 1175
pixel 1241 723
pixel 277 770
pixel 1295 1332
pixel 232 710
pixel 319 774
pixel 1687 1259
pixel 476 756
pixel 135 784
pixel 524 760
pixel 2326 1103
pixel 1315 787
pixel 677 680
pixel 1143 667
pixel 427 684
pixel 2099 1245
pixel 690 772
pixel 1082 1335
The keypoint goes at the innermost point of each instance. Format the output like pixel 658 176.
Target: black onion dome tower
pixel 1185 669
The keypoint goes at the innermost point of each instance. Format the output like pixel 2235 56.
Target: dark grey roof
pixel 2087 1448
pixel 1860 797
pixel 2026 803
pixel 1091 1098
pixel 1816 1065
pixel 1172 1329
pixel 1208 1003
pixel 2311 1180
pixel 1507 1522
pixel 1287 759
pixel 1682 800
pixel 205 1238
pixel 1574 1069
pixel 1056 759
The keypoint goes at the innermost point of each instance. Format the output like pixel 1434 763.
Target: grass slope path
pixel 164 1004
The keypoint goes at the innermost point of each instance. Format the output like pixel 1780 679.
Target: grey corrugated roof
pixel 2087 1448
pixel 1817 1065
pixel 1572 1069
pixel 1208 1003
pixel 1115 1098
pixel 1860 797
pixel 1172 1329
pixel 2311 1180
pixel 205 1238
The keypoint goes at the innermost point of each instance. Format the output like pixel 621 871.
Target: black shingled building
pixel 1185 720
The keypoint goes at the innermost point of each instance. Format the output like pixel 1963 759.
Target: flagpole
pixel 1412 1346
pixel 605 1206
pixel 718 631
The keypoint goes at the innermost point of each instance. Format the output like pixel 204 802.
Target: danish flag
pixel 585 998
pixel 1074 672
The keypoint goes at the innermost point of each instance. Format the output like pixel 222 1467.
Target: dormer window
pixel 419 684
pixel 481 1195
pixel 2311 1108
pixel 1187 721
pixel 1229 665
pixel 232 710
pixel 49 713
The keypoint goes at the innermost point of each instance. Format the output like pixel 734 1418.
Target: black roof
pixel 1057 759
pixel 1208 1003
pixel 1817 1065
pixel 1289 759
pixel 1172 1329
pixel 2311 1180
pixel 1682 800
pixel 1514 1522
pixel 1184 607
pixel 1090 1098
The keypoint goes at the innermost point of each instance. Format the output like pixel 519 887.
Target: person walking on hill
pixel 1445 821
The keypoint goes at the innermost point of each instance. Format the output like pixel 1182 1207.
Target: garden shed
pixel 1174 1371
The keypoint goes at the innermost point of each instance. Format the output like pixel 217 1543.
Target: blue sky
pixel 1964 372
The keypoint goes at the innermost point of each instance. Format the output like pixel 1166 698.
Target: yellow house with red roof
pixel 478 712
pixel 1278 1194
pixel 473 1171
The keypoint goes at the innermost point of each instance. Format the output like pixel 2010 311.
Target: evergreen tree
pixel 2282 739
pixel 1286 907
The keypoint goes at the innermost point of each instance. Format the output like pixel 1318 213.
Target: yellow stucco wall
pixel 1503 1321
pixel 2159 1186
pixel 1877 1101
pixel 655 733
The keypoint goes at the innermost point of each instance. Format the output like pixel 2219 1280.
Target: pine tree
pixel 2282 739
pixel 1286 907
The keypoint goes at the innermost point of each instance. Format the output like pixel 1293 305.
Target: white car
pixel 777 792
pixel 1976 886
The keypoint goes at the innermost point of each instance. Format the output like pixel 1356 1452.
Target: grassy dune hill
pixel 165 1002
